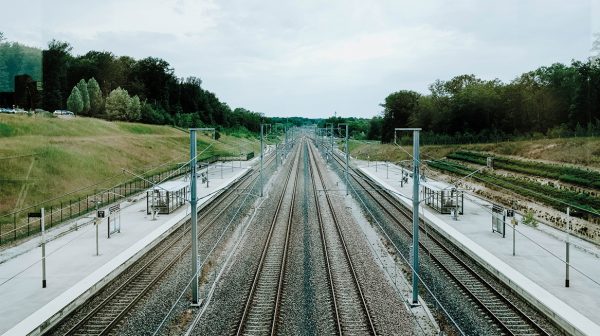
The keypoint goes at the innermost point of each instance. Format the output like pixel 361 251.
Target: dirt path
pixel 24 187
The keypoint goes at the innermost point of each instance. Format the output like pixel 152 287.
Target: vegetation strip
pixel 577 176
pixel 546 194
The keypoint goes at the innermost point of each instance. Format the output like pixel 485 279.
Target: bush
pixel 573 175
pixel 119 106
pixel 529 219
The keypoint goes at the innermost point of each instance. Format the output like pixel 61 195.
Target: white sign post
pixel 43 249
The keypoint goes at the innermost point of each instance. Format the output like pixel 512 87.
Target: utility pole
pixel 567 247
pixel 415 201
pixel 194 220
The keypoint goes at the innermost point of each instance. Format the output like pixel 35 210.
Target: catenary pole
pixel 415 214
pixel 415 280
pixel 194 220
pixel 262 186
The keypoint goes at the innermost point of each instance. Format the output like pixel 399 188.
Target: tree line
pixel 100 84
pixel 16 59
pixel 556 100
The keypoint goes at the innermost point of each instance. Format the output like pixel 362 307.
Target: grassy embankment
pixel 574 161
pixel 575 151
pixel 42 157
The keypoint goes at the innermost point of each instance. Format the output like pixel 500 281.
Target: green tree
pixel 95 97
pixel 398 108
pixel 55 62
pixel 75 102
pixel 85 97
pixel 375 125
pixel 152 115
pixel 117 104
pixel 135 109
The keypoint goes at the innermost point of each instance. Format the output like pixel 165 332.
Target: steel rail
pixel 364 306
pixel 374 188
pixel 176 238
pixel 265 250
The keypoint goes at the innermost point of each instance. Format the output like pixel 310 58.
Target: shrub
pixel 529 219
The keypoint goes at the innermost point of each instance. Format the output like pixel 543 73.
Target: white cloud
pixel 292 58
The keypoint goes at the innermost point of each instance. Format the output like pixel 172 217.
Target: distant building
pixel 27 94
pixel 7 99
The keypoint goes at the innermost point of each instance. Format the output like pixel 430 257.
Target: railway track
pixel 260 314
pixel 106 315
pixel 509 319
pixel 352 316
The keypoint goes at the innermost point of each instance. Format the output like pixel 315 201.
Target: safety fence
pixel 18 224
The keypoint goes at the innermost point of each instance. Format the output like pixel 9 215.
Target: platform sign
pixel 114 219
pixel 34 215
pixel 498 220
pixel 100 214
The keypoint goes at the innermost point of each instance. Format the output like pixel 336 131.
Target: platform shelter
pixel 166 197
pixel 443 200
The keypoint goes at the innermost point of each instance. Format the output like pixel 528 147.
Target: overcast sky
pixel 311 58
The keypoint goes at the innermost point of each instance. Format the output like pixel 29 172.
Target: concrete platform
pixel 74 271
pixel 536 271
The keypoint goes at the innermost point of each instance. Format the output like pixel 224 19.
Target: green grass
pixel 540 192
pixel 5 130
pixel 582 152
pixel 62 155
pixel 582 177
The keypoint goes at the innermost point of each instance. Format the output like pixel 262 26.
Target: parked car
pixel 63 113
